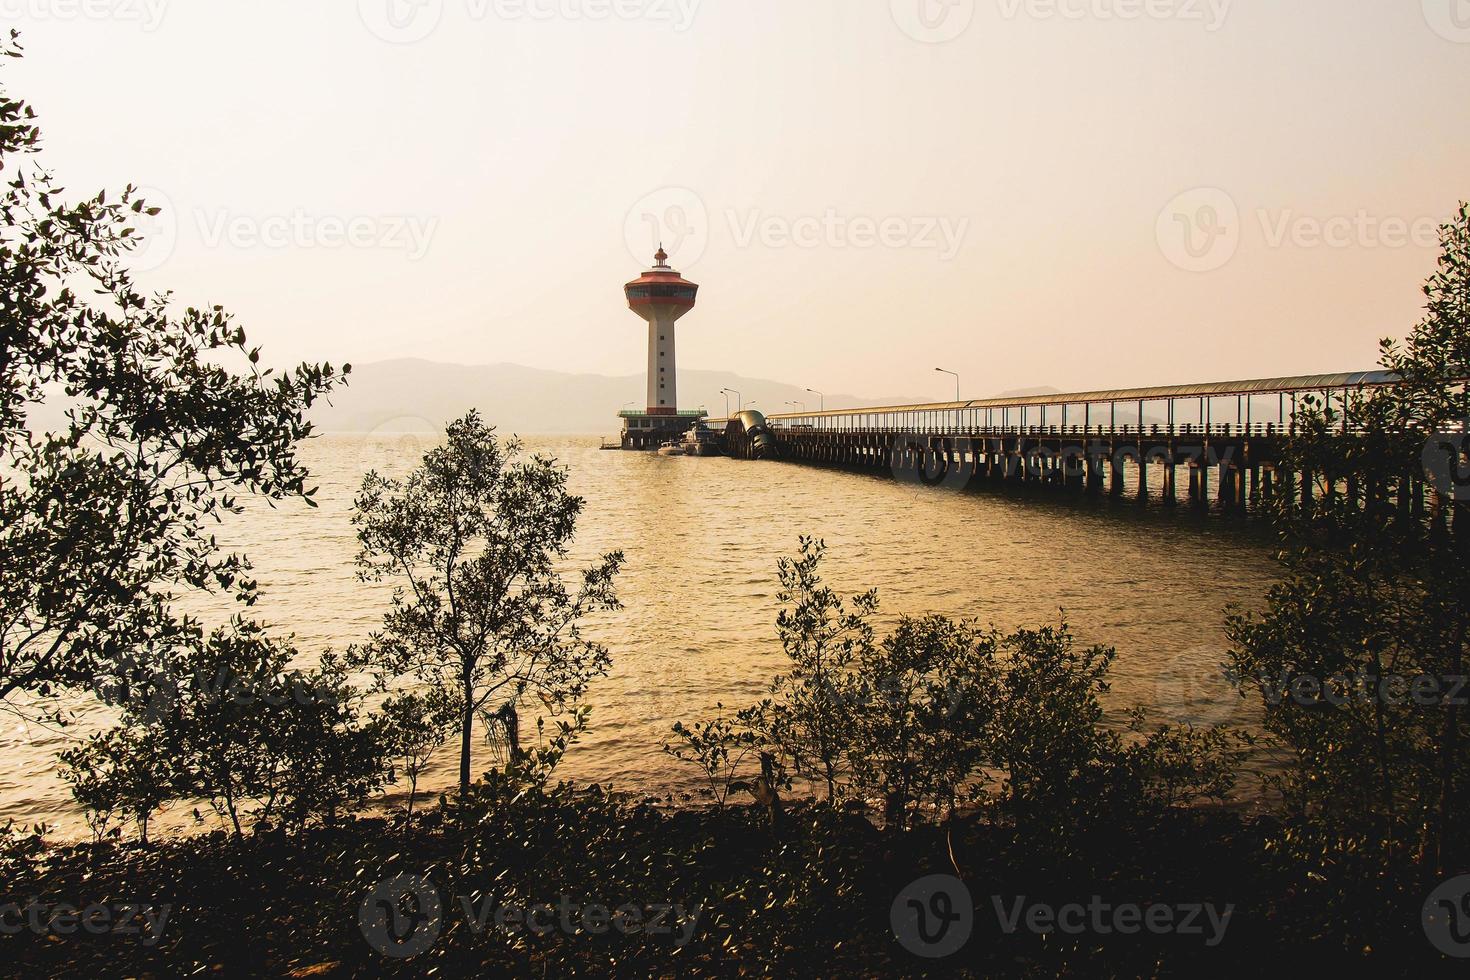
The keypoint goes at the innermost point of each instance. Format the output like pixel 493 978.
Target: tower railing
pixel 695 413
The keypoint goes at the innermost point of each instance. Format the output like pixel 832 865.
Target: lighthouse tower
pixel 660 296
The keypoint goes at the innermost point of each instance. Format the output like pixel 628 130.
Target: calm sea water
pixel 702 537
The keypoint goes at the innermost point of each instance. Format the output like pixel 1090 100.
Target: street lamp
pixel 821 399
pixel 739 399
pixel 956 382
pixel 626 404
pixel 800 405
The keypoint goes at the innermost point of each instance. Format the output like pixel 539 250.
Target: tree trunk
pixel 1384 779
pixel 1446 854
pixel 466 730
pixel 234 815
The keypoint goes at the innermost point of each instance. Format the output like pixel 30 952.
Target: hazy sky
pixel 1081 193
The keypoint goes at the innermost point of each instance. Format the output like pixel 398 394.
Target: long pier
pixel 1208 445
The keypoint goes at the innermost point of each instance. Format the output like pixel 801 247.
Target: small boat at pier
pixel 701 440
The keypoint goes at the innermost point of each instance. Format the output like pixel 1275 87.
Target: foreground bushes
pixel 230 724
pixel 940 716
pixel 811 898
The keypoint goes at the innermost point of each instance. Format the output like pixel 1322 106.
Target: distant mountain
pixel 1027 392
pixel 413 395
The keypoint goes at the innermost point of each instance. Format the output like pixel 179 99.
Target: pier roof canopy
pixel 1214 389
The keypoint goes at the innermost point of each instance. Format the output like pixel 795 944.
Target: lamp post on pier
pixel 956 382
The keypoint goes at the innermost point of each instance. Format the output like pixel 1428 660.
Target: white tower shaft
pixel 663 390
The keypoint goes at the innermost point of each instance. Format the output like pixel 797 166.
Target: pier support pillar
pixel 1093 466
pixel 1075 463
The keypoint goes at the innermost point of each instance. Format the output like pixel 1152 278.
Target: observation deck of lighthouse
pixel 696 488
pixel 658 291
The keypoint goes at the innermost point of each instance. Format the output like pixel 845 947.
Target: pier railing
pixel 1168 445
pixel 1225 429
pixel 1231 409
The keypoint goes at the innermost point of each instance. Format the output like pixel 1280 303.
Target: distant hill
pixel 1027 392
pixel 413 395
